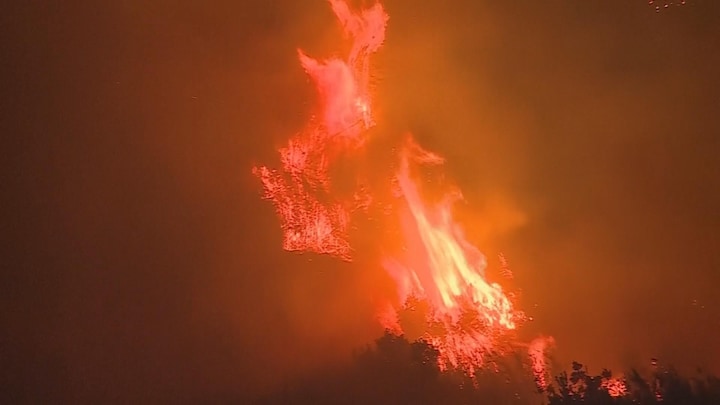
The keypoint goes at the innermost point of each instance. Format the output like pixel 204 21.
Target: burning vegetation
pixel 468 316
pixel 470 322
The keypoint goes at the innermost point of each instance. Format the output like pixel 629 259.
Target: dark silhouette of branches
pixel 396 371
pixel 664 386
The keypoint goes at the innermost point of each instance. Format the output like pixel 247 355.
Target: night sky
pixel 141 265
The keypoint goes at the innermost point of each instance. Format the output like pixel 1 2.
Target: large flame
pixel 441 267
pixel 313 218
pixel 467 317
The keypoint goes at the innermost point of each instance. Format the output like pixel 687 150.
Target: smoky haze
pixel 141 264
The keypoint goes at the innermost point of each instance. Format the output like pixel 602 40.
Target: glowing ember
pixel 467 313
pixel 537 352
pixel 313 218
pixel 664 5
pixel 616 387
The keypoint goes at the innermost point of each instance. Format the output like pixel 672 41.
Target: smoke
pixel 584 127
pixel 145 268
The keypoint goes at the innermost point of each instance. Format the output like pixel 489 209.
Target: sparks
pixel 538 355
pixel 664 5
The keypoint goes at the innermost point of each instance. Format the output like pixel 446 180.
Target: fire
pixel 468 317
pixel 616 387
pixel 467 312
pixel 312 216
pixel 538 352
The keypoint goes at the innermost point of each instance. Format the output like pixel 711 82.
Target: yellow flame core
pixel 466 311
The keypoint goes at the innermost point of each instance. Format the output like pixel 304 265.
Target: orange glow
pixel 312 217
pixel 468 317
pixel 467 313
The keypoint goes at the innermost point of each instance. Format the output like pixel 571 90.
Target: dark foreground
pixel 395 371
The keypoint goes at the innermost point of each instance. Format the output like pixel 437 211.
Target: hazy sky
pixel 141 264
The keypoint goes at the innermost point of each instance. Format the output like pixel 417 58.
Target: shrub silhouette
pixel 396 371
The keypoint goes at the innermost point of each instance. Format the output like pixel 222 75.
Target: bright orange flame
pixel 467 312
pixel 468 316
pixel 313 218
